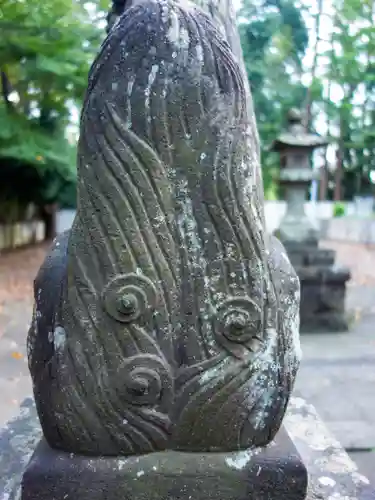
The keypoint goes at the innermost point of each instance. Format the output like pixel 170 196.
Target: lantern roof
pixel 296 135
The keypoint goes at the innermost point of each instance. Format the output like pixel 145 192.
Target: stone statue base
pixel 323 288
pixel 275 472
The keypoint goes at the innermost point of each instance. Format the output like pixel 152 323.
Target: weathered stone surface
pixel 303 443
pixel 323 296
pixel 274 472
pixel 309 255
pixel 331 473
pixel 165 319
pixel 18 439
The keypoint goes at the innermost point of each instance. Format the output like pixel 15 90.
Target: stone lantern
pixel 323 285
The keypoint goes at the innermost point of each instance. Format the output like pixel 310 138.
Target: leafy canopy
pixel 274 39
pixel 46 49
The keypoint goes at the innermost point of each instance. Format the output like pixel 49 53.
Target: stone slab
pixel 275 472
pixel 311 256
pixel 325 275
pixel 18 439
pixel 332 475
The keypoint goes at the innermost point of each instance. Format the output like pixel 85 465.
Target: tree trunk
pixel 337 194
pixel 5 88
pixel 48 214
pixel 309 100
pixel 323 183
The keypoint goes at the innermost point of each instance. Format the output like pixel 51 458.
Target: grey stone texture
pixel 304 461
pixel 264 473
pixel 164 340
pixel 165 326
pixel 165 319
pixel 18 440
pixel 331 473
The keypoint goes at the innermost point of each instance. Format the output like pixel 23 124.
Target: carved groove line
pixel 224 215
pixel 95 261
pixel 117 186
pixel 97 217
pixel 204 336
pixel 233 219
pixel 144 170
pixel 126 185
pixel 113 177
pixel 152 260
pixel 138 431
pixel 112 212
pixel 126 241
pixel 199 222
pixel 239 98
pixel 217 393
pixel 105 410
pixel 196 345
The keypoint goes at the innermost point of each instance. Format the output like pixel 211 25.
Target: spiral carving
pixel 145 380
pixel 238 321
pixel 128 297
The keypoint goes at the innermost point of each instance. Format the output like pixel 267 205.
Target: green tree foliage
pixel 336 89
pixel 46 48
pixel 274 39
pixel 352 74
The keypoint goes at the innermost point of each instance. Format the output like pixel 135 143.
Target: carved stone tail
pixel 175 330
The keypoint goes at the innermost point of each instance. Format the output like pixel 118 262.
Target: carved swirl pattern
pixel 145 380
pixel 238 321
pixel 129 296
pixel 143 386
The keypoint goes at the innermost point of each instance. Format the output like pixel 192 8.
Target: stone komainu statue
pixel 165 319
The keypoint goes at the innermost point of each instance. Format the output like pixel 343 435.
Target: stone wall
pixel 64 220
pixel 20 234
pixel 350 229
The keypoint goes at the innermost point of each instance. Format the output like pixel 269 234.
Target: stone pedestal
pixel 323 287
pixel 274 472
pixel 278 471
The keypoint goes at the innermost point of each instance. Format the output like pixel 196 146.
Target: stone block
pixel 274 472
pixel 324 275
pixel 311 256
pixel 304 457
pixel 322 306
pixel 332 475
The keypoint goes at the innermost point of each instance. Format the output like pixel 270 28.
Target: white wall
pixel 21 233
pixel 64 220
pixel 357 225
pixel 316 211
